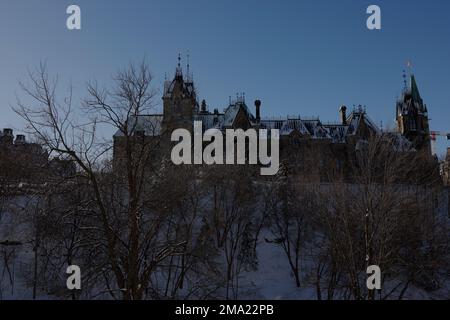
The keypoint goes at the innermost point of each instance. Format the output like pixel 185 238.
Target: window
pixel 412 124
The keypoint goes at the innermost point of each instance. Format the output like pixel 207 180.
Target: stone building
pixel 412 117
pixel 307 145
pixel 21 160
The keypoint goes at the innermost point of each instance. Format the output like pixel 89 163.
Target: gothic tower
pixel 179 102
pixel 412 117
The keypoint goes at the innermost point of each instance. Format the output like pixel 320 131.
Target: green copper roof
pixel 415 90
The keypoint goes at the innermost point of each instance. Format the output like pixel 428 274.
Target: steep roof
pixel 187 88
pixel 337 132
pixel 415 90
pixel 232 111
pixel 411 101
pixel 357 118
pixel 312 128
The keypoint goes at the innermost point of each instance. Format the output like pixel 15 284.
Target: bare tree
pixel 377 218
pixel 232 209
pixel 118 197
pixel 289 205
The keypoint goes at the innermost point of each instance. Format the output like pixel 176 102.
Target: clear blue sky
pixel 298 57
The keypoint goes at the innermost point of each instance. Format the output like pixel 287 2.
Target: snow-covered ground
pixel 273 278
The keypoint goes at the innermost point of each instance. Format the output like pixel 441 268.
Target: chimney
pixel 258 110
pixel 216 116
pixel 20 139
pixel 8 136
pixel 203 106
pixel 343 114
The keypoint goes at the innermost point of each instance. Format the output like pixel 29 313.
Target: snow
pixel 273 278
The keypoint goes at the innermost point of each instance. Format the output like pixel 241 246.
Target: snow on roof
pixel 210 120
pixel 354 122
pixel 232 111
pixel 187 87
pixel 337 132
pixel 293 124
pixel 313 127
pixel 272 124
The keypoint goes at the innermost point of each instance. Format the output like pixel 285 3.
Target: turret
pixel 412 117
pixel 179 103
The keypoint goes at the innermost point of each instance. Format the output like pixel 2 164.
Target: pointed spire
pixel 414 89
pixel 405 85
pixel 179 72
pixel 409 66
pixel 189 75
